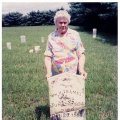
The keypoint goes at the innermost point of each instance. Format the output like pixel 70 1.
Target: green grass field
pixel 25 89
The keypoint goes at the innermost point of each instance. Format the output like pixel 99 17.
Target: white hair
pixel 62 13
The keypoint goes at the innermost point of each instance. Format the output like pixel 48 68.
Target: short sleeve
pixel 48 51
pixel 79 47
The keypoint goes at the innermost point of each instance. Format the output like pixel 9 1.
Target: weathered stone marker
pixel 42 39
pixel 23 39
pixel 67 97
pixel 94 32
pixel 36 49
pixel 31 50
pixel 8 44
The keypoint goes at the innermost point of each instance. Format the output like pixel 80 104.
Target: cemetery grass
pixel 24 86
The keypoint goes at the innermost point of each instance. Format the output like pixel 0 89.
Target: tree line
pixel 31 19
pixel 103 16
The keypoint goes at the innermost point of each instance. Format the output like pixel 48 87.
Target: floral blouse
pixel 64 51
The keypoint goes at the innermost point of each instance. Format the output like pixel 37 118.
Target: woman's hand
pixel 48 75
pixel 83 73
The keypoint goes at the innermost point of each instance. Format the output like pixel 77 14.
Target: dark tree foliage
pixel 31 19
pixel 12 19
pixel 100 15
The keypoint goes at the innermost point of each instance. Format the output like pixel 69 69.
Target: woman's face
pixel 62 25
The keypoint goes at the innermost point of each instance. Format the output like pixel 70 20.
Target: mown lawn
pixel 25 89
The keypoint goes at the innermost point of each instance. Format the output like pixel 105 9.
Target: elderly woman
pixel 64 51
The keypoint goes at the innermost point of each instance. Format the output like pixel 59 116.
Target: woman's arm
pixel 48 66
pixel 81 65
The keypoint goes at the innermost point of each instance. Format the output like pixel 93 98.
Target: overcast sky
pixel 27 7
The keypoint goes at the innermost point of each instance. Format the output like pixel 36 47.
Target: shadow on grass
pixel 109 39
pixel 104 37
pixel 42 110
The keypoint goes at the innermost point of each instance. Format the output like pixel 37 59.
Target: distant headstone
pixel 42 39
pixel 31 51
pixel 23 39
pixel 67 97
pixel 94 32
pixel 36 49
pixel 8 44
pixel 103 40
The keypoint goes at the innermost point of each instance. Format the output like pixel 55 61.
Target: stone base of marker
pixel 67 97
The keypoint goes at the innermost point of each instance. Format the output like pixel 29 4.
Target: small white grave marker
pixel 37 49
pixel 23 39
pixel 9 45
pixel 31 51
pixel 42 39
pixel 94 32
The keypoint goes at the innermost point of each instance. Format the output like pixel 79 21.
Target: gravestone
pixel 36 49
pixel 94 32
pixel 103 40
pixel 23 39
pixel 8 44
pixel 67 97
pixel 31 50
pixel 42 39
